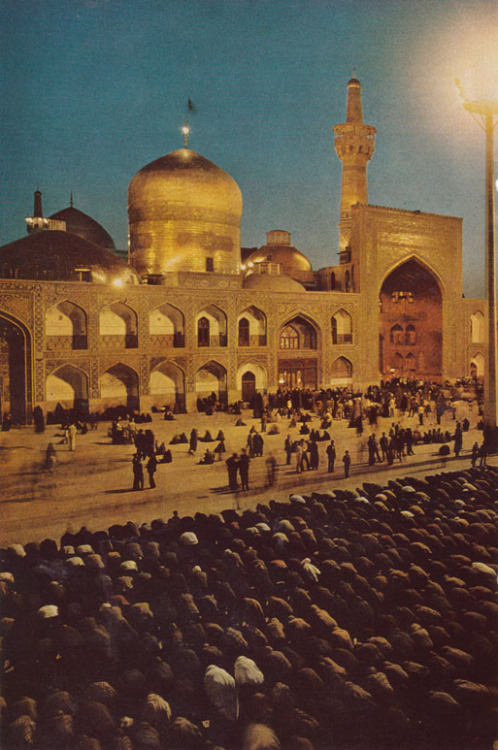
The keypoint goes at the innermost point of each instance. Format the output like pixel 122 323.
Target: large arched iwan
pixel 411 303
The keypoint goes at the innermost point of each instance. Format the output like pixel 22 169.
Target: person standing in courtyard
pixel 38 419
pixel 151 470
pixel 72 436
pixel 258 444
pixel 483 452
pixel 138 473
pixel 331 454
pixel 346 460
pixel 244 462
pixel 232 467
pixel 193 441
pixel 458 440
pixel 314 455
pixel 288 449
pixel 475 454
pixel 271 470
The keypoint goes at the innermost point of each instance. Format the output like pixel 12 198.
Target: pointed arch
pixel 211 377
pixel 298 313
pixel 251 325
pixel 341 374
pixel 342 327
pixel 66 326
pixel 410 334
pixel 167 384
pixel 118 322
pixel 477 364
pixel 421 262
pixel 211 326
pixel 396 334
pixel 168 322
pixel 258 371
pixel 16 390
pixel 119 386
pixel 411 315
pixel 477 327
pixel 66 385
pixel 299 332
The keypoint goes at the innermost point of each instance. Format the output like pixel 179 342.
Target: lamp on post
pixel 485 113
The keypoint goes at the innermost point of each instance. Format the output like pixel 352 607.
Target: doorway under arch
pixel 248 385
pixel 251 377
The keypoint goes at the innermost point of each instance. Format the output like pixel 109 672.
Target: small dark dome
pixel 84 226
pixel 61 256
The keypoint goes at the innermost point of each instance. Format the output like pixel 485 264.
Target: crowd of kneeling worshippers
pixel 341 619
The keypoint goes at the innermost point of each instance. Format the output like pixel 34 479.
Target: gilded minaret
pixel 354 144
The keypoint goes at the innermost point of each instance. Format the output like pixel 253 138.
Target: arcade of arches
pixel 264 348
pixel 410 323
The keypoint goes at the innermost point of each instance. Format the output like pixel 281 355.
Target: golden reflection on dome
pixel 184 215
pixel 278 249
pixel 288 256
pixel 267 282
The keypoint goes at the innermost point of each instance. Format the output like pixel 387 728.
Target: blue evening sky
pixel 92 90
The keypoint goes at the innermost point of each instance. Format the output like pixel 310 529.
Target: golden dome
pixel 264 282
pixel 279 250
pixel 184 215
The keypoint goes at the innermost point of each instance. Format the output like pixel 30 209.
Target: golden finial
pixel 186 132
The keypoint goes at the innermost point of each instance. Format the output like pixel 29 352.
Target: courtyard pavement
pixel 92 486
